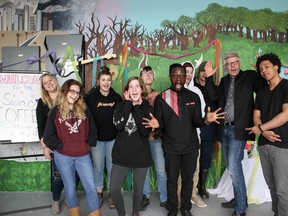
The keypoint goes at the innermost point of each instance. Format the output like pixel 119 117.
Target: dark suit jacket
pixel 246 83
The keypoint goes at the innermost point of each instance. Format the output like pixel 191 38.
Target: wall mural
pixel 140 33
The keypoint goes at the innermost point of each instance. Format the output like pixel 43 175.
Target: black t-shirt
pixel 270 104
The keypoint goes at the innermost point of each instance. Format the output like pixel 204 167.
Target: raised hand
pixel 127 96
pixel 151 123
pixel 214 116
pixel 209 71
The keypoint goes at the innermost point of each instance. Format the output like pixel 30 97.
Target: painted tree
pixel 249 24
pixel 161 35
pixel 280 27
pixel 225 22
pixel 98 39
pixel 260 25
pixel 197 34
pixel 147 43
pixel 240 19
pixel 118 28
pixel 152 39
pixel 133 33
pixel 181 28
pixel 209 19
pixel 171 39
pixel 282 23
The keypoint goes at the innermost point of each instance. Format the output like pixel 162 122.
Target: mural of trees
pixel 255 25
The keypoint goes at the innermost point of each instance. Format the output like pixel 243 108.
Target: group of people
pixel 82 133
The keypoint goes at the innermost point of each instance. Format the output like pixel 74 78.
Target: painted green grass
pixel 24 176
pixel 246 49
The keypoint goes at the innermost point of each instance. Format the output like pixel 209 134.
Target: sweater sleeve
pixel 92 135
pixel 121 114
pixel 51 138
pixel 212 89
pixel 41 118
pixel 159 111
pixel 198 118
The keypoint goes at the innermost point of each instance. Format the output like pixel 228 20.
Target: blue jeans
pixel 159 163
pixel 102 154
pixel 67 166
pixel 57 183
pixel 233 151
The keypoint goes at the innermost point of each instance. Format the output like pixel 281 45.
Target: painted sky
pixel 150 13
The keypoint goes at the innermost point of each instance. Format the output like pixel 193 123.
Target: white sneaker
pixel 196 199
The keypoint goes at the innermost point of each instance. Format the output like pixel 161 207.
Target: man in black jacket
pixel 178 111
pixel 235 95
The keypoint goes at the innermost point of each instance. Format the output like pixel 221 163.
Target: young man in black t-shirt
pixel 271 122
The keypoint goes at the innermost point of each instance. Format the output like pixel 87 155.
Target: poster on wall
pixel 19 94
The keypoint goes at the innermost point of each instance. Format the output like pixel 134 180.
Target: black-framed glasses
pixel 73 92
pixel 232 63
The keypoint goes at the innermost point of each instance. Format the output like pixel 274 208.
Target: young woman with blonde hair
pixel 71 131
pixel 49 91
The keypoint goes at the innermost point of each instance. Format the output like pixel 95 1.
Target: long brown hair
pixel 79 107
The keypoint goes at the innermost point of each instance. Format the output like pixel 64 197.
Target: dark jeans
pixel 56 181
pixel 208 137
pixel 184 164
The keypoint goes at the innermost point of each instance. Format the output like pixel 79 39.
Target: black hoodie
pixel 102 108
pixel 131 147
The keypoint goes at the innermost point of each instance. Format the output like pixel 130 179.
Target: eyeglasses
pixel 232 63
pixel 73 92
pixel 176 76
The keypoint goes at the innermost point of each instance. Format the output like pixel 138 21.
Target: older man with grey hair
pixel 235 95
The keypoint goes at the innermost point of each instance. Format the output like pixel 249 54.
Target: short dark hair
pixel 146 68
pixel 272 57
pixel 202 66
pixel 188 64
pixel 176 65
